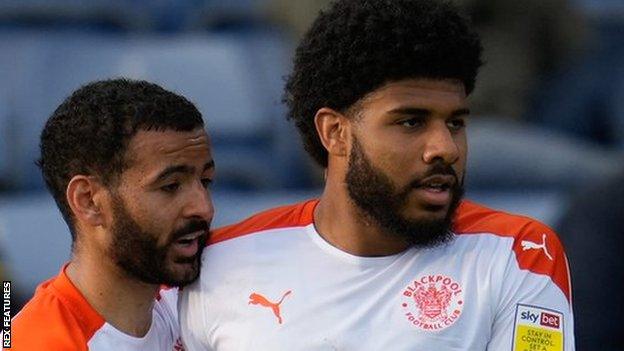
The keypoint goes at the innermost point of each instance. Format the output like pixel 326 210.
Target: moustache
pixel 190 227
pixel 438 168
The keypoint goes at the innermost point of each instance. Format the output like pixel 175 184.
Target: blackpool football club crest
pixel 432 302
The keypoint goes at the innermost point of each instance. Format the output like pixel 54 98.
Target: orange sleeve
pixel 555 265
pixel 473 218
pixel 49 322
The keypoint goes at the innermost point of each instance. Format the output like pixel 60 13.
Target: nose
pixel 199 204
pixel 440 145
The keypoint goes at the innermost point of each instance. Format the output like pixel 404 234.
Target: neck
pixel 341 223
pixel 123 302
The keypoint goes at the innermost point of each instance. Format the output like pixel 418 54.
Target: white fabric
pixel 343 302
pixel 163 334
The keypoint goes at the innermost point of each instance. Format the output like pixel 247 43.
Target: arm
pixel 534 310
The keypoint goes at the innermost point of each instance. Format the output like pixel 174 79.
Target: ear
pixel 333 130
pixel 86 197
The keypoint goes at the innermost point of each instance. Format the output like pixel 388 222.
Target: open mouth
pixel 436 190
pixel 436 187
pixel 438 183
pixel 188 245
pixel 188 239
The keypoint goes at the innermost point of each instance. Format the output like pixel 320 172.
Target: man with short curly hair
pixel 390 257
pixel 128 164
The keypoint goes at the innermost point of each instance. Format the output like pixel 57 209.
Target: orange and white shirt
pixel 59 318
pixel 272 282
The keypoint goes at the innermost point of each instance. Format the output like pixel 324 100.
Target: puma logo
pixel 257 299
pixel 527 245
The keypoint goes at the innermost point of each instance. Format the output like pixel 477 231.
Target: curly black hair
pixel 356 46
pixel 90 131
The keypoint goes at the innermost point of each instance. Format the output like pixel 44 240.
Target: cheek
pixel 462 147
pixel 156 221
pixel 396 162
pixel 160 221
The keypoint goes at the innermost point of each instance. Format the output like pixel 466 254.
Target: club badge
pixel 432 302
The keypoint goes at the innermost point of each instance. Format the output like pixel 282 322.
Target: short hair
pixel 90 131
pixel 356 46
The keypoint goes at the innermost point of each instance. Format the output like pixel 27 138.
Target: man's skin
pixel 403 128
pixel 159 205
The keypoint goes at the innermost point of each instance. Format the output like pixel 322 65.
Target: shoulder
pixel 472 218
pixel 50 321
pixel 296 215
pixel 533 245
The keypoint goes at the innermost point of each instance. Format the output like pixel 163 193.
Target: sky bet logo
pixel 549 320
pixel 545 319
pixel 538 328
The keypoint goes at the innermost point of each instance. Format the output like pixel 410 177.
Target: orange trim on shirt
pixel 530 236
pixel 58 317
pixel 297 215
pixel 471 219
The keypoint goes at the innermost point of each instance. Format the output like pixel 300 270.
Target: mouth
pixel 188 245
pixel 435 190
pixel 189 238
pixel 437 183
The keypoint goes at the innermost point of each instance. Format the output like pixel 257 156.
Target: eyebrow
pixel 185 169
pixel 423 112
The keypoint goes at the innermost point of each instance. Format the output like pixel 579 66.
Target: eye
pixel 411 123
pixel 456 124
pixel 206 182
pixel 170 188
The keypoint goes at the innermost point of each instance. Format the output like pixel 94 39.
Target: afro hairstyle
pixel 357 46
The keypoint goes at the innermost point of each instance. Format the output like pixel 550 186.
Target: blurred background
pixel 546 139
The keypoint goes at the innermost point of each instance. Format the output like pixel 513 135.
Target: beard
pixel 137 252
pixel 382 202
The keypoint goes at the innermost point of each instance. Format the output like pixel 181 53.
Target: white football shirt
pixel 272 282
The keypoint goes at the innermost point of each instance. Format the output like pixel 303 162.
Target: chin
pixel 425 213
pixel 181 274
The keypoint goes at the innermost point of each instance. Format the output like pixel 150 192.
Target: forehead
pixel 431 94
pixel 157 147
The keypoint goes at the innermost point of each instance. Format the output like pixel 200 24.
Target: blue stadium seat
pixel 33 239
pixel 5 124
pixel 514 156
pixel 153 15
pixel 21 61
pixel 224 75
pixel 584 98
pixel 604 9
pixel 92 14
pixel 217 14
pixel 44 67
pixel 4 143
pixel 235 80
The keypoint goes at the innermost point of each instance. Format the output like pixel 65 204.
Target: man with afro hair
pixel 389 257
